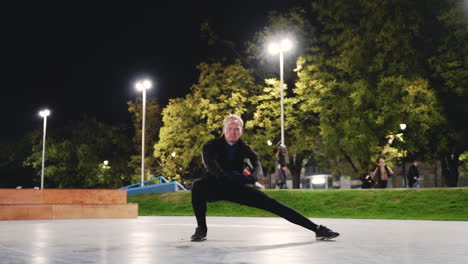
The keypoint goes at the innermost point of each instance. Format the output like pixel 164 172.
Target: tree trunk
pixel 269 186
pixel 450 165
pixel 295 166
pixel 453 164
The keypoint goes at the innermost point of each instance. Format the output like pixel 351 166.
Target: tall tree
pixel 75 156
pixel 449 76
pixel 153 124
pixel 300 128
pixel 12 153
pixel 191 121
pixel 366 75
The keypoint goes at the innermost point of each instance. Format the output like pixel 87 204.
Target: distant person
pixel 281 182
pixel 381 174
pixel 413 175
pixel 281 156
pixel 367 182
pixel 224 159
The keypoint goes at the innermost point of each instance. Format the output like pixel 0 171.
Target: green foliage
pixel 12 153
pixel 366 67
pixel 190 122
pixel 265 125
pixel 74 160
pixel 300 129
pixel 449 62
pixel 449 73
pixel 365 77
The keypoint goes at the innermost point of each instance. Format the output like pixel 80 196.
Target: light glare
pixel 273 48
pixel 283 45
pixel 318 180
pixel 286 44
pixel 44 113
pixel 403 126
pixel 147 84
pixel 143 85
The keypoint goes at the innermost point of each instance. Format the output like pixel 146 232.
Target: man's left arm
pixel 257 171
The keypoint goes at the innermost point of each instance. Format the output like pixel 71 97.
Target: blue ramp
pixel 162 186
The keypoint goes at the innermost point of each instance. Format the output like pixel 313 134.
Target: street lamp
pixel 142 86
pixel 274 48
pixel 403 180
pixel 44 114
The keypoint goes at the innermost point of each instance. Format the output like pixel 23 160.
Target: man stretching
pixel 225 158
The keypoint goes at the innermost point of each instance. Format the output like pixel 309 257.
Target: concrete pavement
pixel 231 240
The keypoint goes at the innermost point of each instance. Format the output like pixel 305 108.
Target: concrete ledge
pixel 67 211
pixel 63 196
pixel 33 204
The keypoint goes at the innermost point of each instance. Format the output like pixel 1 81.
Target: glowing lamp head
pixel 403 126
pixel 269 143
pixel 283 45
pixel 44 113
pixel 143 85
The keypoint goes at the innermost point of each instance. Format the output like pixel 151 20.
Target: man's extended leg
pixel 254 198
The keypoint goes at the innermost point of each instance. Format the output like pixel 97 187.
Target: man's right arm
pixel 208 155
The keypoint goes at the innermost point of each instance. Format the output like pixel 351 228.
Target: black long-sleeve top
pixel 226 163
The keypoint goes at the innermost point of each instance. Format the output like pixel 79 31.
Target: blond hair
pixel 232 118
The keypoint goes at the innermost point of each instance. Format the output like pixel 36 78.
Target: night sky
pixel 77 58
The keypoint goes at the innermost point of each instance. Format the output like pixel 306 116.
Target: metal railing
pixel 162 186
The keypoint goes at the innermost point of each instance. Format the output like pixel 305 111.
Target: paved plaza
pixel 159 239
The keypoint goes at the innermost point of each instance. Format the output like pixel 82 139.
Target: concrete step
pixel 66 211
pixel 33 204
pixel 63 196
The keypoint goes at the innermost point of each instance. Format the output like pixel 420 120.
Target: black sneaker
pixel 200 235
pixel 324 233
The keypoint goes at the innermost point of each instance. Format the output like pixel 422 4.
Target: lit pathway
pixel 231 240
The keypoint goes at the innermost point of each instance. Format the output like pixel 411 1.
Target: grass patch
pixel 416 204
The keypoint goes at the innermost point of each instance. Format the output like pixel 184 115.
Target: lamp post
pixel 280 48
pixel 44 114
pixel 403 179
pixel 269 143
pixel 142 86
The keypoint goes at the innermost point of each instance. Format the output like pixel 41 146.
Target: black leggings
pixel 204 191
